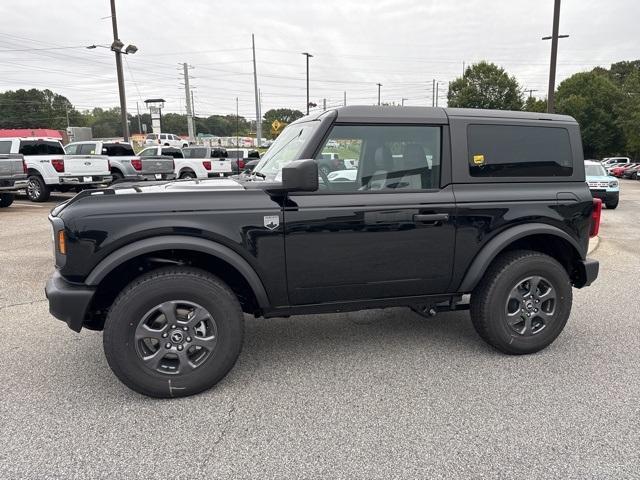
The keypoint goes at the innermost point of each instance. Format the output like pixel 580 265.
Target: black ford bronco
pixel 436 204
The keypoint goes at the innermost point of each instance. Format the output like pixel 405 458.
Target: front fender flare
pixel 180 242
pixel 498 243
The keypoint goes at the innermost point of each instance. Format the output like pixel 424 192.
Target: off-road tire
pixel 165 285
pixel 6 199
pixel 489 301
pixel 612 204
pixel 37 190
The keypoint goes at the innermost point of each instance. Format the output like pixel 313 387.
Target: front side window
pixel 172 152
pixel 519 151
pixel 70 149
pixel 381 157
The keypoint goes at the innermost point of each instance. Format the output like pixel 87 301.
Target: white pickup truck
pixel 49 168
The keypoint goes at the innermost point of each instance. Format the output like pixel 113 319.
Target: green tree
pixel 485 85
pixel 283 115
pixel 36 109
pixel 630 117
pixel 534 104
pixel 595 102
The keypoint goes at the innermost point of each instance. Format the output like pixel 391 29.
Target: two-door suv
pixel 439 203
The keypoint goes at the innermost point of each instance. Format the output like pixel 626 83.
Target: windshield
pixel 285 149
pixel 595 171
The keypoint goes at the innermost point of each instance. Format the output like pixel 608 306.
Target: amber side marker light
pixel 62 244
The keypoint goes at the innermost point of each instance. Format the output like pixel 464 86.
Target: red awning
pixel 30 132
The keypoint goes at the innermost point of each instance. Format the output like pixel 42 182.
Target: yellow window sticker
pixel 478 159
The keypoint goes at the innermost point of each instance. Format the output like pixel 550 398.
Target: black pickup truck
pixel 13 177
pixel 442 203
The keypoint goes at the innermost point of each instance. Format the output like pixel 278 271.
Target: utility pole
pixel 255 86
pixel 308 55
pixel 433 93
pixel 437 83
pixel 66 109
pixel 403 99
pixel 379 85
pixel 187 94
pixel 345 99
pixel 324 104
pixel 531 90
pixel 463 68
pixel 237 124
pixel 193 106
pixel 193 116
pixel 139 121
pixel 554 56
pixel 118 53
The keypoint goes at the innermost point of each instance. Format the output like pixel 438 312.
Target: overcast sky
pixel 403 44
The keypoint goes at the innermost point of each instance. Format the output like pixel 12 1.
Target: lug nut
pixel 168 345
pixel 173 326
pixel 185 328
pixel 165 335
pixel 179 347
pixel 188 339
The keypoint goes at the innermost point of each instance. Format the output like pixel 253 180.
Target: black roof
pixel 384 113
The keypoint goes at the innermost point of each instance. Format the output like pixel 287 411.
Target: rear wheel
pixel 522 303
pixel 187 174
pixel 116 176
pixel 6 199
pixel 173 332
pixel 37 190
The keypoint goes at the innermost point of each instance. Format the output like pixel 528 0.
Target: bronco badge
pixel 271 221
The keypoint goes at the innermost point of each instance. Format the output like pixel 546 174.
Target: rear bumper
pixel 219 174
pixel 85 180
pixel 12 184
pixel 587 272
pixel 151 176
pixel 68 302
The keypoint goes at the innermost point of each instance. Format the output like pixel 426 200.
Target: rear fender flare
pixel 501 241
pixel 179 242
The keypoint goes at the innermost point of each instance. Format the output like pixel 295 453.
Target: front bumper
pixel 67 301
pixel 605 195
pixel 587 272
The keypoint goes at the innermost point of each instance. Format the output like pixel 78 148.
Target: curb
pixel 593 245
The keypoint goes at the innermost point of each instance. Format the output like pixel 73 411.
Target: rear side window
pixel 87 149
pixel 5 147
pixel 172 152
pixel 220 153
pixel 152 136
pixel 519 151
pixel 41 147
pixel 118 150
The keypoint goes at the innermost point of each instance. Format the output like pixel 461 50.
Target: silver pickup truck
pixel 13 177
pixel 125 164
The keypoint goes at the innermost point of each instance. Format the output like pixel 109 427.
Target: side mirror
pixel 300 176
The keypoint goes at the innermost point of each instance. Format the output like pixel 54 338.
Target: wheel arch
pixel 120 267
pixel 539 237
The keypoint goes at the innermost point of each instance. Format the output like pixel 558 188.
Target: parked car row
pixel 48 166
pixel 13 177
pixel 627 170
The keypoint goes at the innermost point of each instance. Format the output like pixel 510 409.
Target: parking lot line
pixel 28 204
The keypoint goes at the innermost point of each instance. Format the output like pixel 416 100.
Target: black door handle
pixel 431 217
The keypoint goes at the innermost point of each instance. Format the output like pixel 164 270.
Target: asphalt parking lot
pixel 380 394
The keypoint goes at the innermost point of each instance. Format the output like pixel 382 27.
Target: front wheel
pixel 522 303
pixel 6 199
pixel 173 332
pixel 612 204
pixel 37 190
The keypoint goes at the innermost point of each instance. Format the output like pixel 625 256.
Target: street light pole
pixel 554 56
pixel 308 55
pixel 118 53
pixel 379 85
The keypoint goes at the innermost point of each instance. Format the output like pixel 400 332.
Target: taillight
pixel 58 164
pixel 595 217
pixel 62 244
pixel 206 164
pixel 24 167
pixel 136 163
pixel 241 163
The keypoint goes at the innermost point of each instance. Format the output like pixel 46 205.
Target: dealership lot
pixel 377 394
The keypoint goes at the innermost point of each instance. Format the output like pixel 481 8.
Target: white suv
pixel 165 139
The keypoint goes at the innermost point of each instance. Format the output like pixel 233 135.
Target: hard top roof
pixel 385 113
